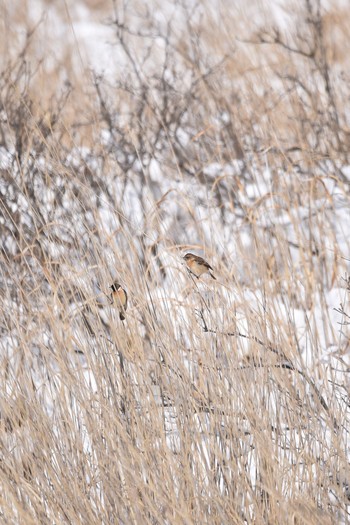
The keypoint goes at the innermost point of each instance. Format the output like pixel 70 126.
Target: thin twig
pixel 288 364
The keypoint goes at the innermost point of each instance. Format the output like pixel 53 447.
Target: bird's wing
pixel 204 263
pixel 126 300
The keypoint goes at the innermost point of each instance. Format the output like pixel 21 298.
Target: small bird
pixel 119 298
pixel 198 265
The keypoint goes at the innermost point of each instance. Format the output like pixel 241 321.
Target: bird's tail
pixel 121 316
pixel 212 276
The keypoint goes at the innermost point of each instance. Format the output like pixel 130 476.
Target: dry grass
pixel 214 402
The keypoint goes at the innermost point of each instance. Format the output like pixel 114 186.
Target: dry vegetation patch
pixel 214 402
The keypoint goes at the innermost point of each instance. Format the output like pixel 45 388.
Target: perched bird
pixel 198 265
pixel 119 298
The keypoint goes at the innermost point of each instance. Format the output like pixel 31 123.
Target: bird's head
pixel 115 287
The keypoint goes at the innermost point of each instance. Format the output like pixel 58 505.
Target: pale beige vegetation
pixel 214 402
